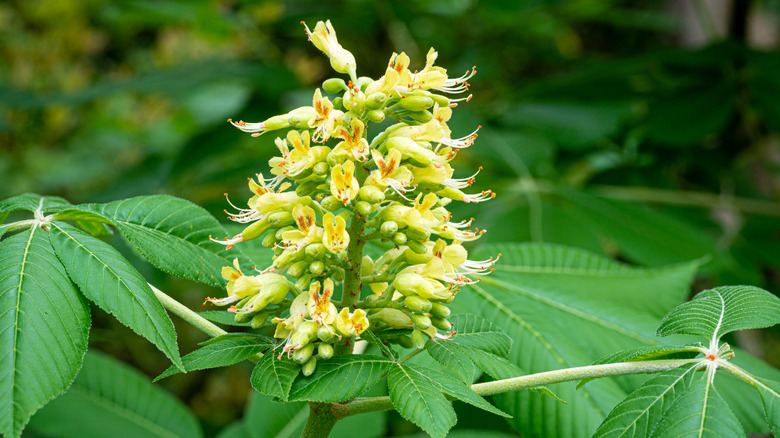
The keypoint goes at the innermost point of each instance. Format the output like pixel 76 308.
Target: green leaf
pixel 452 357
pixel 453 388
pixel 566 307
pixel 44 325
pixel 770 396
pixel 172 234
pixel 109 398
pixel 371 338
pixel 111 282
pixel 419 400
pixel 475 331
pixel 274 376
pixel 643 409
pixel 699 411
pixel 715 312
pixel 225 352
pixel 32 202
pixel 340 378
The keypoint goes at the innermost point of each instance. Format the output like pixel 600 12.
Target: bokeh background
pixel 643 130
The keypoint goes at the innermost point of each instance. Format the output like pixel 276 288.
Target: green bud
pixel 303 282
pixel 417 247
pixel 242 317
pixel 283 230
pixel 440 310
pixel 255 230
pixel 417 234
pixel 371 194
pixel 324 334
pixel 375 116
pixel 280 219
pixel 269 240
pixel 441 323
pixel 415 102
pixel 321 168
pixel 297 269
pixel 405 341
pixel 338 275
pixel 363 82
pixel 421 321
pixel 399 238
pixel 302 356
pixel 316 250
pixel 306 188
pixel 389 228
pixel 305 332
pixel 259 320
pixel 331 203
pixel 363 207
pixel 417 304
pixel 325 351
pixel 309 367
pixel 420 116
pixel 375 100
pixel 338 103
pixel 317 267
pixel 334 86
pixel 366 266
pixel 443 101
pixel 418 339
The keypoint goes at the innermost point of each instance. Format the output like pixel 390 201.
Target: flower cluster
pixel 332 191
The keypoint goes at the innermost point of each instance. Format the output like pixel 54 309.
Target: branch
pixel 373 404
pixel 188 314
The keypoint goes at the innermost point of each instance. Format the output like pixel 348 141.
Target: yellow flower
pixel 335 237
pixel 325 120
pixel 322 311
pixel 307 231
pixel 353 144
pixel 390 172
pixel 324 38
pixel 351 325
pixel 343 184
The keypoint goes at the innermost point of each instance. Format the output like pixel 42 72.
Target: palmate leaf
pixel 110 399
pixel 455 389
pixel 222 351
pixel 452 356
pixel 715 312
pixel 274 376
pixel 44 326
pixel 33 202
pixel 563 308
pixel 770 396
pixel 474 331
pixel 419 399
pixel 172 234
pixel 340 378
pixel 111 282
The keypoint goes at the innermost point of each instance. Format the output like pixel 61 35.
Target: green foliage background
pixel 602 128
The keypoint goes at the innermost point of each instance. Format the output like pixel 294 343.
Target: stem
pixel 372 404
pixel 187 314
pixel 320 422
pixel 690 198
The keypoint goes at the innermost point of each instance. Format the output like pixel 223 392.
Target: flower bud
pixel 363 82
pixel 416 246
pixel 421 321
pixel 371 194
pixel 255 230
pixel 363 208
pixel 417 304
pixel 415 102
pixel 334 86
pixel 399 238
pixel 316 250
pixel 417 233
pixel 297 269
pixel 317 267
pixel 366 266
pixel 280 219
pixel 405 341
pixel 243 317
pixel 331 203
pixel 441 323
pixel 325 334
pixel 420 116
pixel 440 310
pixel 338 103
pixel 390 318
pixel 304 333
pixel 269 241
pixel 309 367
pixel 259 320
pixel 321 168
pixel 353 102
pixel 388 228
pixel 302 356
pixel 376 100
pixel 325 351
pixel 375 116
pixel 283 230
pixel 418 339
pixel 443 101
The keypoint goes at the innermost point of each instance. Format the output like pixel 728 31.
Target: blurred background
pixel 644 130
